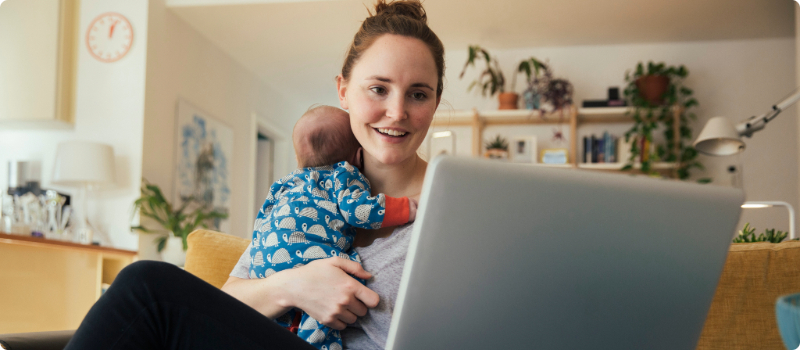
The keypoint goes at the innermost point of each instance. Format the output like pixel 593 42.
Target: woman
pixel 391 83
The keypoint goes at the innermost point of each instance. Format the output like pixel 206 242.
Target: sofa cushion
pixel 742 313
pixel 212 255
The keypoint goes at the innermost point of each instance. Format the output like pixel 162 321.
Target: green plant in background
pixel 748 235
pixel 498 143
pixel 650 114
pixel 152 204
pixel 491 80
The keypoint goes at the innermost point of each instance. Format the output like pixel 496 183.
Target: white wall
pixel 736 79
pixel 109 109
pixel 184 64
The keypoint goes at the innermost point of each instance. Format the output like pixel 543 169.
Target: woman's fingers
pixel 351 267
pixel 347 317
pixel 367 296
pixel 357 307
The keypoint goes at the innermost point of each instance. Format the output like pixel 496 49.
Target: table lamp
pixel 83 165
pixel 720 137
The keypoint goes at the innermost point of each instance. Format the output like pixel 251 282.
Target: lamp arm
pixel 756 123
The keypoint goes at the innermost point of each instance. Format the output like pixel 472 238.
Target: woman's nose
pixel 396 108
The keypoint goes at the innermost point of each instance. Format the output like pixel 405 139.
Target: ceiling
pixel 282 41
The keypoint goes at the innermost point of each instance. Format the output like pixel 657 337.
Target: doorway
pixel 265 162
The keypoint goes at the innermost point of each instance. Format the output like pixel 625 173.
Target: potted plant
pixel 531 68
pixel 491 80
pixel 652 102
pixel 497 148
pixel 748 235
pixel 176 224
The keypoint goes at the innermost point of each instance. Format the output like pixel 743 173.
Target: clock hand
pixel 111 32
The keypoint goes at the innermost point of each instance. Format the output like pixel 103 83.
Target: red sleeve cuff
pixel 396 211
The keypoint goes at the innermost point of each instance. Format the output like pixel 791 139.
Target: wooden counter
pixel 48 285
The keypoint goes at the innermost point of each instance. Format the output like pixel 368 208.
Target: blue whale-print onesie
pixel 312 214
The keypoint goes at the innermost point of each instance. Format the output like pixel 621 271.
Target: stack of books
pixel 601 149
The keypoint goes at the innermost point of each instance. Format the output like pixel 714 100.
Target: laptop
pixel 511 256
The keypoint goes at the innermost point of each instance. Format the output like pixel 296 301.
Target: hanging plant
pixel 652 93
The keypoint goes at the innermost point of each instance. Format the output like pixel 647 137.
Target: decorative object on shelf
pixel 497 148
pixel 204 152
pixel 175 223
pixel 491 80
pixel 555 156
pixel 770 204
pixel 652 108
pixel 532 94
pixel 612 101
pixel 524 149
pixel 748 235
pixel 109 37
pixel 720 138
pixel 442 142
pixel 84 165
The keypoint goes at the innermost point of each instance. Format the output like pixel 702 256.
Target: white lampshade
pixel 719 138
pixel 80 163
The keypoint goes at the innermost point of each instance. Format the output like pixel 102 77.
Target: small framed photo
pixel 523 149
pixel 442 142
pixel 555 156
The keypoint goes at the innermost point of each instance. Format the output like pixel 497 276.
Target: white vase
pixel 173 252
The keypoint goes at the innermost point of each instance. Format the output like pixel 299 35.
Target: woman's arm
pixel 323 289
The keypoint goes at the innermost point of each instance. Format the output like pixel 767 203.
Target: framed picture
pixel 442 142
pixel 204 153
pixel 523 149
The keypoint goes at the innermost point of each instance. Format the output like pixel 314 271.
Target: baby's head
pixel 323 136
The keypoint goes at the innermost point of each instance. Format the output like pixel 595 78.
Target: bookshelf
pixel 575 117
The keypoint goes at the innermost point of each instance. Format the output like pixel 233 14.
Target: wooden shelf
pixel 619 166
pixel 479 120
pixel 43 242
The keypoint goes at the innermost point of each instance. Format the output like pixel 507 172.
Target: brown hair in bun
pixel 403 17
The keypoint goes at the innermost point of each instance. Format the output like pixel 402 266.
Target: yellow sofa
pixel 742 314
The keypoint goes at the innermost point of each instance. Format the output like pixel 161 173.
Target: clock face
pixel 109 37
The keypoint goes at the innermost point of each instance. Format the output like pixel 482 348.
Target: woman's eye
pixel 419 96
pixel 378 90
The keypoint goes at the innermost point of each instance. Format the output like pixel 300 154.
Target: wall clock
pixel 109 37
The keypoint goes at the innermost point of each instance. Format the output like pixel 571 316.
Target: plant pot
pixel 495 153
pixel 173 252
pixel 652 88
pixel 508 100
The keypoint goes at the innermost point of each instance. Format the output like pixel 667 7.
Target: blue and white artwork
pixel 204 154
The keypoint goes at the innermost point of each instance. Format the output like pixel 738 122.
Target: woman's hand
pixel 325 291
pixel 322 288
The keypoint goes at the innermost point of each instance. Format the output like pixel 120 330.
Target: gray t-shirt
pixel 385 259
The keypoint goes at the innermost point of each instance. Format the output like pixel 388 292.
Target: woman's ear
pixel 341 89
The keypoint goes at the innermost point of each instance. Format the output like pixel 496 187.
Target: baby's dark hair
pixel 322 138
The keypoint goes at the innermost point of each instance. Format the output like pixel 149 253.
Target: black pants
pixel 154 305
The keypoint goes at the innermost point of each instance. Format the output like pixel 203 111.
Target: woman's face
pixel 391 97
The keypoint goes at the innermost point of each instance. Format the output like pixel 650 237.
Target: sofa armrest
pixel 36 340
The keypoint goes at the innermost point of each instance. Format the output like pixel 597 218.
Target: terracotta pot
pixel 652 88
pixel 495 153
pixel 508 100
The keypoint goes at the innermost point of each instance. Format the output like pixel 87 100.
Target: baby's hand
pixel 412 209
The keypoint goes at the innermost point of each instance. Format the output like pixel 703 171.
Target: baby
pixel 312 213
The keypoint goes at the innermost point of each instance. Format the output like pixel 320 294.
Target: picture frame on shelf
pixel 523 149
pixel 441 142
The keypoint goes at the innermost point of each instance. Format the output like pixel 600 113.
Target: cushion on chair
pixel 212 255
pixel 742 313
